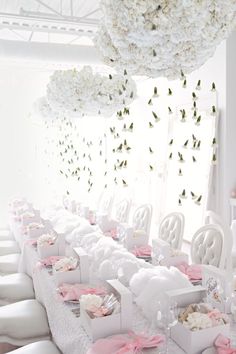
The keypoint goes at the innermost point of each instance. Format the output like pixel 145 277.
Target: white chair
pixel 105 203
pixel 208 246
pixel 8 247
pixel 212 218
pixel 42 347
pixel 15 287
pixel 171 229
pixel 23 323
pixel 142 218
pixel 122 210
pixel 9 263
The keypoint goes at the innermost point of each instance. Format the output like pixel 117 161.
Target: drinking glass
pixel 166 317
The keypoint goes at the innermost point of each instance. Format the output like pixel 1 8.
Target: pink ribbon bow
pixel 222 345
pixel 142 251
pixel 70 292
pixel 129 343
pixel 194 271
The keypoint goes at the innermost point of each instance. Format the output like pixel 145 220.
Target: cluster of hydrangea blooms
pixel 83 92
pixel 161 38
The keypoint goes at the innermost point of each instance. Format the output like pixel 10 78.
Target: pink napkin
pixel 129 343
pixel 74 291
pixel 222 345
pixel 50 261
pixel 112 233
pixel 142 251
pixel 194 271
pixel 31 242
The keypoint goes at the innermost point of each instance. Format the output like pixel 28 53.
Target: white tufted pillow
pixel 207 247
pixel 142 218
pixel 171 230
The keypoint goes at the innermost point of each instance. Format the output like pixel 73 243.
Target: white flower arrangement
pixel 197 321
pixel 201 316
pixel 66 264
pixel 46 240
pixel 161 38
pixel 83 92
pixel 91 301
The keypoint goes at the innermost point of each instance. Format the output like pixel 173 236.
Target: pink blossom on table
pixel 112 233
pixel 223 345
pixel 66 264
pixel 218 317
pixel 129 343
pixel 142 251
pixel 50 261
pixel 46 240
pixel 193 271
pixel 75 291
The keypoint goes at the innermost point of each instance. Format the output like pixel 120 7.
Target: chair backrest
pixel 142 218
pixel 105 202
pixel 122 210
pixel 208 246
pixel 212 218
pixel 171 229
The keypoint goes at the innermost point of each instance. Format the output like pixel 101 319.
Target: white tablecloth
pixel 65 326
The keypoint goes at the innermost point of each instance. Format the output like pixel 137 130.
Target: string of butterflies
pixel 77 153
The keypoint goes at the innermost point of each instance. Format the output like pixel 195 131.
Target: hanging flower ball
pixel 162 37
pixel 83 92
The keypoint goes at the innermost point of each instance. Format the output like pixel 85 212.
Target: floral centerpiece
pixel 201 316
pixel 98 306
pixel 83 92
pixel 162 38
pixel 46 240
pixel 66 264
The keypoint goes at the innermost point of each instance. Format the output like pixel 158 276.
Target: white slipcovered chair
pixel 171 229
pixel 208 246
pixel 105 203
pixel 8 247
pixel 9 263
pixel 42 347
pixel 23 323
pixel 122 210
pixel 213 218
pixel 15 287
pixel 142 218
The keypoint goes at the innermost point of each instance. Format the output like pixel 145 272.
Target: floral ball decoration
pixel 162 37
pixel 83 92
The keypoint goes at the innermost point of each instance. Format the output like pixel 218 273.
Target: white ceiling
pixel 54 21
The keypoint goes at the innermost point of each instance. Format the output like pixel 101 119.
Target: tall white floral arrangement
pixel 162 37
pixel 86 93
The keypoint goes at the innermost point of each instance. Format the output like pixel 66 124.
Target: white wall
pixel 21 85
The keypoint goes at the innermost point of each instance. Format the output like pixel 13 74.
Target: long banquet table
pixel 66 329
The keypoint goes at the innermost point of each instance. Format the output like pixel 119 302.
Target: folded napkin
pixel 223 345
pixel 70 292
pixel 50 261
pixel 142 251
pixel 112 233
pixel 129 343
pixel 31 242
pixel 194 271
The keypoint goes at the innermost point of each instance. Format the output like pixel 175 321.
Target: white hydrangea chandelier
pixel 79 93
pixel 163 37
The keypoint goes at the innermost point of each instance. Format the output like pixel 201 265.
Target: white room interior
pixel 177 166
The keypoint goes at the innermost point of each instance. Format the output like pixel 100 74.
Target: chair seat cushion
pixel 15 287
pixel 8 247
pixel 42 347
pixel 24 320
pixel 9 263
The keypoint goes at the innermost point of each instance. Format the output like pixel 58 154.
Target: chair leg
pixel 5 348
